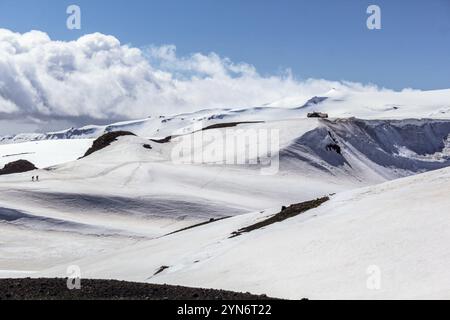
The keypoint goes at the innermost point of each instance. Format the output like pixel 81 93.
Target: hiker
pixel 37 178
pixel 32 179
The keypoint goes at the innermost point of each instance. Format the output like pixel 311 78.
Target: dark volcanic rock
pixel 285 213
pixel 56 289
pixel 17 167
pixel 105 140
pixel 334 147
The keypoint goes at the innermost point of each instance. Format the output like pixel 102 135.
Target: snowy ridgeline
pixel 368 150
pixel 407 104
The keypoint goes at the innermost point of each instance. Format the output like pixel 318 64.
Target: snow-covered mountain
pixel 361 150
pixel 381 157
pixel 364 105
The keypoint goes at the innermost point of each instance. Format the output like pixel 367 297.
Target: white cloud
pixel 96 77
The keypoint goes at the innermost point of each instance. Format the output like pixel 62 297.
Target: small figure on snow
pixel 37 178
pixel 32 179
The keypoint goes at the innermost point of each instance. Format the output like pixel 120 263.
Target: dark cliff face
pixel 381 142
pixel 17 167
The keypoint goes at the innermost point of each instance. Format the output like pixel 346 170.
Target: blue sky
pixel 318 39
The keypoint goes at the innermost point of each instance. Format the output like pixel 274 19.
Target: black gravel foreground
pixel 56 289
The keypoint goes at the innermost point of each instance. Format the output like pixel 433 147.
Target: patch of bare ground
pixel 212 220
pixel 56 289
pixel 18 166
pixel 285 213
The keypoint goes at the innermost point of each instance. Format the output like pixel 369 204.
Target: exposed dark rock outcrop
pixel 17 167
pixel 211 220
pixel 105 140
pixel 285 213
pixel 211 127
pixel 147 146
pixel 321 115
pixel 334 147
pixel 161 269
pixel 164 140
pixel 402 146
pixel 56 289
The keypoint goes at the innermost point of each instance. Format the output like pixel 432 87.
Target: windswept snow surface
pixel 127 193
pixel 397 230
pixel 112 212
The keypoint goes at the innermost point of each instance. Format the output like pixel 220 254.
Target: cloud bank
pixel 98 78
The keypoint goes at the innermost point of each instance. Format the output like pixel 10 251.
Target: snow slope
pixel 369 150
pixel 382 104
pixel 126 191
pixel 111 212
pixel 105 201
pixel 44 153
pixel 399 228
